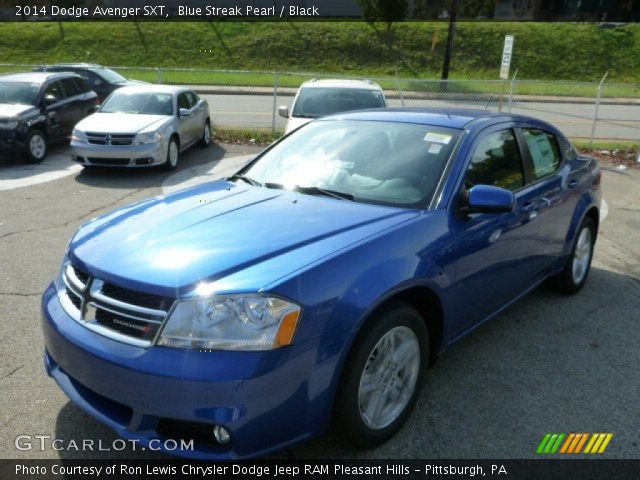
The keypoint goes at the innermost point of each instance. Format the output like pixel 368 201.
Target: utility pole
pixel 452 31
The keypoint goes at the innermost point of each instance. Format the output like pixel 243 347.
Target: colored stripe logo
pixel 574 443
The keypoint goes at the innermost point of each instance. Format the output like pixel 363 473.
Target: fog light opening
pixel 221 435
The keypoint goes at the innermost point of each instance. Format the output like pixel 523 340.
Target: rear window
pixel 318 102
pixel 544 151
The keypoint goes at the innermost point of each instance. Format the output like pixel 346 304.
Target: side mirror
pixel 283 111
pixel 50 100
pixel 489 199
pixel 184 112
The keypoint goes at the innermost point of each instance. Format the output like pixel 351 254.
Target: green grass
pixel 246 136
pixel 624 145
pixel 542 51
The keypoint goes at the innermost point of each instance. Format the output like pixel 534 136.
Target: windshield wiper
pixel 278 186
pixel 325 192
pixel 246 179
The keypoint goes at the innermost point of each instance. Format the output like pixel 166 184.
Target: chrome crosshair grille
pixel 121 314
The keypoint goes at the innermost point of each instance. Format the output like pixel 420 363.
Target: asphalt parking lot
pixel 549 364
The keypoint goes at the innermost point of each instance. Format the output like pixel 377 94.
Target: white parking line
pixel 57 165
pixel 604 210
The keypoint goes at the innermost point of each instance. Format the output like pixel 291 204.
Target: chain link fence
pixel 250 99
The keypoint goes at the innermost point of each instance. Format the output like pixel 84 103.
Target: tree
pixel 385 11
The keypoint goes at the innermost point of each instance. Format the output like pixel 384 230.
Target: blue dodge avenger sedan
pixel 320 282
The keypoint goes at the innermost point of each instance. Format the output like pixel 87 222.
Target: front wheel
pixel 576 270
pixel 382 376
pixel 36 146
pixel 173 152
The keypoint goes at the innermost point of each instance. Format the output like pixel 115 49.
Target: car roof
pixel 35 77
pixel 172 89
pixel 440 117
pixel 72 65
pixel 341 83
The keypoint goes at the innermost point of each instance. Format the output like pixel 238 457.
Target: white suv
pixel 317 98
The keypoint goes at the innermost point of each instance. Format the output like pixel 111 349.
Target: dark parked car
pixel 39 108
pixel 102 80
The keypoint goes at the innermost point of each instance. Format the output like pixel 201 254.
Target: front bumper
pixel 11 142
pixel 146 155
pixel 264 399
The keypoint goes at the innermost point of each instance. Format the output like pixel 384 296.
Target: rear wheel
pixel 173 153
pixel 205 141
pixel 36 146
pixel 382 376
pixel 578 265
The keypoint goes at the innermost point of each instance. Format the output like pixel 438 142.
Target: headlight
pixel 8 125
pixel 235 322
pixel 148 137
pixel 78 136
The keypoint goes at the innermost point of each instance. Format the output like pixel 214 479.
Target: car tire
pixel 35 146
pixel 576 270
pixel 173 155
pixel 366 413
pixel 205 141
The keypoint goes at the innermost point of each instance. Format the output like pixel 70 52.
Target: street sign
pixel 506 57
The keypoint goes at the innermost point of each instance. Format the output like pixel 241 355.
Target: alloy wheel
pixel 389 378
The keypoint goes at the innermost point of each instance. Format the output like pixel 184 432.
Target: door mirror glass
pixel 283 111
pixel 184 112
pixel 489 199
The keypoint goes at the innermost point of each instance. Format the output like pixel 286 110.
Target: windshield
pixel 375 162
pixel 147 103
pixel 19 92
pixel 318 102
pixel 110 76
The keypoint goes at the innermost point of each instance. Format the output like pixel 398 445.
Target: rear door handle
pixel 573 183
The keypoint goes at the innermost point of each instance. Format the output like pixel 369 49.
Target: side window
pixel 53 89
pixel 544 151
pixel 82 85
pixel 496 161
pixel 193 99
pixel 70 87
pixel 183 101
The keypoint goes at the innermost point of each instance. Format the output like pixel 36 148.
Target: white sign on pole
pixel 506 57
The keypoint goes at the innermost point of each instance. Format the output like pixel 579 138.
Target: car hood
pixel 120 122
pixel 242 238
pixel 14 110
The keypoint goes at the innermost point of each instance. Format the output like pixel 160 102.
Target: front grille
pixel 75 299
pixel 82 276
pixel 125 315
pixel 110 139
pixel 127 326
pixel 112 162
pixel 134 297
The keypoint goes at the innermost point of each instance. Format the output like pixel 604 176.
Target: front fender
pixel 341 293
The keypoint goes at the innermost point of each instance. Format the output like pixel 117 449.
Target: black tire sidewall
pixel 347 416
pixel 27 150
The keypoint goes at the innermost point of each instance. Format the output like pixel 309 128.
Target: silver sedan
pixel 142 126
